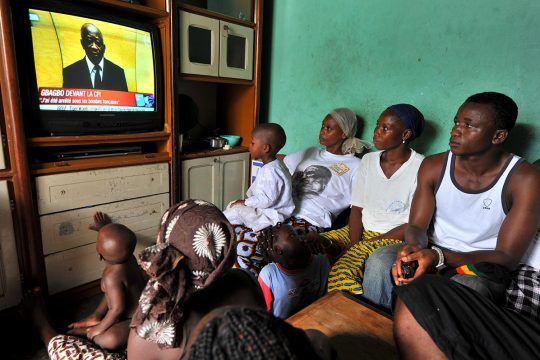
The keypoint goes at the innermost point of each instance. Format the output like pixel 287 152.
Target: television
pixel 87 70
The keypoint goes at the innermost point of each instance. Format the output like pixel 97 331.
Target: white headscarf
pixel 348 123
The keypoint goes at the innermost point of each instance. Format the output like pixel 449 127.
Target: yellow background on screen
pixel 56 40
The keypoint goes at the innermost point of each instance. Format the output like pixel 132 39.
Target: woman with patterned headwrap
pixel 381 197
pixel 322 183
pixel 193 256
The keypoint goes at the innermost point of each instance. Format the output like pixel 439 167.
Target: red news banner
pixel 83 97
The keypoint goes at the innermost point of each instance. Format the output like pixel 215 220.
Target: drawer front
pixel 69 229
pixel 73 267
pixel 60 192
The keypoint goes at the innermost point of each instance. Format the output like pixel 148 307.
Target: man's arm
pixel 422 210
pixel 518 228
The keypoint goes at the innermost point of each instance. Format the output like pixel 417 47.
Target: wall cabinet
pixel 217 179
pixel 135 196
pixel 215 47
pixel 10 284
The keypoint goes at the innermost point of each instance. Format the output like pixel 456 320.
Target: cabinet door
pixel 10 286
pixel 199 44
pixel 235 51
pixel 233 177
pixel 199 179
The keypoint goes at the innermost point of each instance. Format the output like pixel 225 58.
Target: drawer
pixel 60 192
pixel 69 229
pixel 73 267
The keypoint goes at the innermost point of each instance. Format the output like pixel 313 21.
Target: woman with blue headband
pixel 381 197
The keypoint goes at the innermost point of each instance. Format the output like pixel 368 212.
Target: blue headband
pixel 411 117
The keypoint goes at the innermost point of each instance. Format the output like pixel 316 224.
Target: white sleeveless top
pixel 466 221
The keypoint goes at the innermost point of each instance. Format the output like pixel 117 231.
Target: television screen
pixel 84 64
pixel 87 69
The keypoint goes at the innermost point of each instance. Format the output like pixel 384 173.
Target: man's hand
pixel 426 258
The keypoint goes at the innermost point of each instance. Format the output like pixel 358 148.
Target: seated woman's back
pixel 190 274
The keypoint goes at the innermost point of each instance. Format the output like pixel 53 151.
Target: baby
pixel 121 282
pixel 296 277
pixel 269 198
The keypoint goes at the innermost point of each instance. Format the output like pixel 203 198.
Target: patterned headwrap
pixel 195 245
pixel 348 123
pixel 411 117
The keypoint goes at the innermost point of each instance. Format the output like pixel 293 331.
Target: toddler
pixel 121 282
pixel 296 277
pixel 269 198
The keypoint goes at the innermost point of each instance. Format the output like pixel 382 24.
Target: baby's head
pixel 267 138
pixel 287 249
pixel 115 243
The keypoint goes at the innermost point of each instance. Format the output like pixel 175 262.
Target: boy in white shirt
pixel 269 198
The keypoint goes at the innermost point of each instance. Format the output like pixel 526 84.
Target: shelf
pixel 215 15
pixel 134 8
pixel 212 152
pixel 97 163
pixel 215 79
pixel 49 141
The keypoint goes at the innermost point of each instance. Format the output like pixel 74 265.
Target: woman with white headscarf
pixel 320 196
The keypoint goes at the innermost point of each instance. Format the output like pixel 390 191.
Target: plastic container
pixel 232 140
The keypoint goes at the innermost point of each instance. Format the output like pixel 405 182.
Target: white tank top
pixel 465 220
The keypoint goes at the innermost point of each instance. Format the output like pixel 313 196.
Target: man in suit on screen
pixel 94 71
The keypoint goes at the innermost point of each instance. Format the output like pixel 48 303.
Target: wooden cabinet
pixel 10 284
pixel 213 97
pixel 227 102
pixel 217 179
pixel 215 47
pixel 54 200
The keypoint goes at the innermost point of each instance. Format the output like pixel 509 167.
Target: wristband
pixel 440 265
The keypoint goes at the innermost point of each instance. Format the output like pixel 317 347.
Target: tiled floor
pixel 19 340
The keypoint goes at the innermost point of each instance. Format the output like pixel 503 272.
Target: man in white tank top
pixel 483 203
pixel 476 204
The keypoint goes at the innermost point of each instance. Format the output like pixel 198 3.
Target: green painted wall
pixel 370 54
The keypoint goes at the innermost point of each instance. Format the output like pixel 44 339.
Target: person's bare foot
pixel 33 308
pixel 100 220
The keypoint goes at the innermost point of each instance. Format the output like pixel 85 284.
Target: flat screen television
pixel 88 70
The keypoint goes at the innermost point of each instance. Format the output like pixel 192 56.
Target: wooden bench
pixel 355 329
